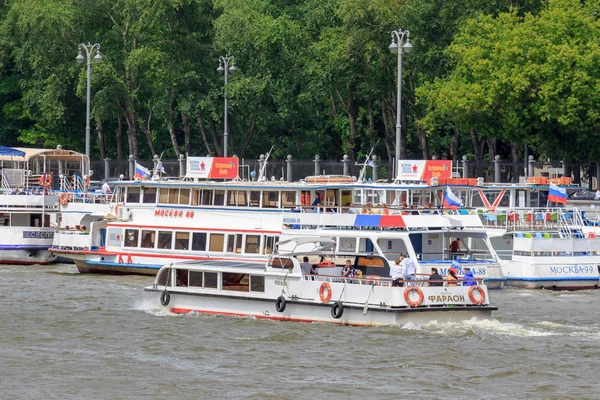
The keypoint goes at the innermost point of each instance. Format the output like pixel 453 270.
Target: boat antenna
pixel 367 163
pixel 263 167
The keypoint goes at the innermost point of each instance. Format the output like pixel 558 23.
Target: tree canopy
pixel 313 77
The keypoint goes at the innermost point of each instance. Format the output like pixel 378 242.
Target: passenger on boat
pixel 409 267
pixel 455 246
pixel 105 188
pixel 469 278
pixel 317 201
pixel 451 278
pixel 182 277
pixel 348 271
pixel 307 268
pixel 597 196
pixel 435 279
pixel 396 273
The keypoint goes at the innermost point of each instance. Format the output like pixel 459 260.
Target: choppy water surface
pixel 66 335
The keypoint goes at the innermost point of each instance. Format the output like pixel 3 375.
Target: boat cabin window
pixel 173 196
pixel 257 283
pixel 163 195
pixel 219 197
pixel 181 277
pixel 270 242
pixel 330 197
pixel 288 199
pixel 196 278
pixel 217 240
pixel 252 244
pixel 211 280
pixel 234 243
pixel 372 266
pixel 195 197
pixel 237 198
pixel 199 241
pixel 131 238
pixel 133 194
pixel 277 262
pixel 270 199
pixel 396 197
pixel 148 239
pixel 206 197
pixel 184 196
pixel 237 282
pixel 392 248
pixel 163 277
pixel 150 195
pixel 164 239
pixel 254 199
pixel 182 241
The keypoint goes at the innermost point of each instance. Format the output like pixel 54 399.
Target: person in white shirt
pixel 105 187
pixel 396 273
pixel 410 268
pixel 597 196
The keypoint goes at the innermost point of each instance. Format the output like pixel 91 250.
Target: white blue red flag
pixel 557 194
pixel 142 172
pixel 451 200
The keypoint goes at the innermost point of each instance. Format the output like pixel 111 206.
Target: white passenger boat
pixel 278 290
pixel 159 222
pixel 42 190
pixel 25 226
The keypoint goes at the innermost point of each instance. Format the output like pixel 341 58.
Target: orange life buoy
pixel 407 292
pixel 64 199
pixel 86 180
pixel 325 292
pixel 46 180
pixel 117 209
pixel 326 264
pixel 42 181
pixel 481 295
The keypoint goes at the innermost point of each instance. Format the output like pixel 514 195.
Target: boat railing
pixel 556 246
pixel 422 280
pixel 532 219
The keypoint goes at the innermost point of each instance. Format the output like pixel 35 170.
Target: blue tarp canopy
pixel 9 151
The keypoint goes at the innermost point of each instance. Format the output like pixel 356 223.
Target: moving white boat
pixel 279 290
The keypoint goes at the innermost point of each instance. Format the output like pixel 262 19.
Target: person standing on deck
pixel 316 202
pixel 396 273
pixel 410 268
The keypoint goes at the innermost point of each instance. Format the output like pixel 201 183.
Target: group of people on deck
pixel 405 269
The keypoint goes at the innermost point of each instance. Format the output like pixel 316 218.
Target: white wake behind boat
pixel 278 290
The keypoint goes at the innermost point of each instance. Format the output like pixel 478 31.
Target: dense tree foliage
pixel 313 77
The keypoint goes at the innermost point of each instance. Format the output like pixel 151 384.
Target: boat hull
pixel 297 311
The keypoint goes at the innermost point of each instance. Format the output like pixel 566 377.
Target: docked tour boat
pixel 42 190
pixel 278 290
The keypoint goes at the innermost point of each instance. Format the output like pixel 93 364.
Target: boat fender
pixel 280 304
pixel 337 310
pixel 481 295
pixel 325 292
pixel 165 298
pixel 410 302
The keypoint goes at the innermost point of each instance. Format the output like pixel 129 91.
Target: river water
pixel 71 336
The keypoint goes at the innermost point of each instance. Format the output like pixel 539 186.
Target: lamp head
pixel 407 46
pixel 232 69
pixel 98 58
pixel 79 58
pixel 220 69
pixel 393 47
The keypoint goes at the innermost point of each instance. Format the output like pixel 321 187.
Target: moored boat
pixel 279 290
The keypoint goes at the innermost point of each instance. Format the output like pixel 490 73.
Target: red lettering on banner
pixel 156 213
pixel 191 214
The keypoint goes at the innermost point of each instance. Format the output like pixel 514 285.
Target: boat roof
pixel 49 154
pixel 11 152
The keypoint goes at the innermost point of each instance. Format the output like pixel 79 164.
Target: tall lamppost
pixel 398 43
pixel 228 61
pixel 89 49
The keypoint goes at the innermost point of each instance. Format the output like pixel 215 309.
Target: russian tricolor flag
pixel 557 194
pixel 141 172
pixel 451 200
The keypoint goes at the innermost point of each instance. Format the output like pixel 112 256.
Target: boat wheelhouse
pixel 279 290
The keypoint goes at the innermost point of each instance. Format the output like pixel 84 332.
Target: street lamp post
pixel 398 43
pixel 228 61
pixel 88 48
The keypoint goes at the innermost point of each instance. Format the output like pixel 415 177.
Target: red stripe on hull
pixel 15 262
pixel 177 310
